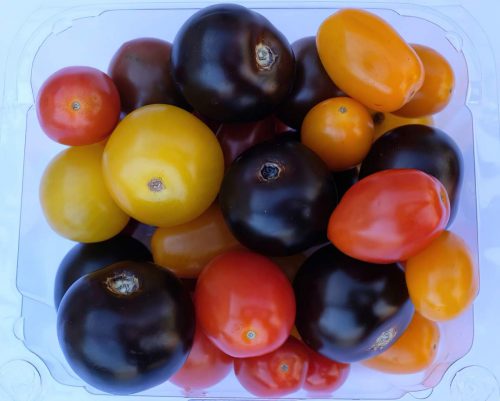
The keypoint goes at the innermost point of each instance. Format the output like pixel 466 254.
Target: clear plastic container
pixel 32 365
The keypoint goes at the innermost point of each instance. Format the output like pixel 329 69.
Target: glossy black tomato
pixel 126 328
pixel 345 179
pixel 277 197
pixel 348 310
pixel 232 64
pixel 420 147
pixel 140 70
pixel 311 86
pixel 87 258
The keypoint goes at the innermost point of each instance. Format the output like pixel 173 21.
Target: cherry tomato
pixel 385 122
pixel 390 216
pixel 78 106
pixel 141 71
pixel 275 374
pixel 205 366
pixel 324 375
pixel 244 304
pixel 74 197
pixel 340 131
pixel 368 60
pixel 139 231
pixel 438 85
pixel 162 165
pixel 185 249
pixel 442 278
pixel 413 352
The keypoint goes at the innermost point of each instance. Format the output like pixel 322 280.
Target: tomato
pixel 232 64
pixel 163 166
pixel 368 60
pixel 87 258
pixel 389 216
pixel 324 375
pixel 205 366
pixel 442 278
pixel 384 122
pixel 415 350
pixel 185 249
pixel 420 147
pixel 141 71
pixel 244 304
pixel 340 131
pixel 290 264
pixel 74 198
pixel 349 310
pixel 311 86
pixel 139 231
pixel 276 374
pixel 277 197
pixel 78 106
pixel 126 328
pixel 437 88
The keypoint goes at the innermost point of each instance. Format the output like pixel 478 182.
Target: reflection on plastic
pixel 19 381
pixel 475 383
pixel 422 395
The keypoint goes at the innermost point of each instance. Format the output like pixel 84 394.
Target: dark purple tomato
pixel 345 180
pixel 420 147
pixel 87 258
pixel 140 231
pixel 140 70
pixel 311 86
pixel 348 310
pixel 235 138
pixel 232 64
pixel 126 328
pixel 277 197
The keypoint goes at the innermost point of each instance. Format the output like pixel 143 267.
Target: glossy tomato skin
pixel 205 366
pixel 368 60
pixel 276 374
pixel 126 328
pixel 277 197
pixel 78 106
pixel 390 216
pixel 83 259
pixel 349 310
pixel 140 70
pixel 244 304
pixel 311 86
pixel 232 64
pixel 324 375
pixel 419 147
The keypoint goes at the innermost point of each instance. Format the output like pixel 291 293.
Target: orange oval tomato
pixel 340 131
pixel 74 198
pixel 413 352
pixel 384 122
pixel 437 88
pixel 162 165
pixel 368 59
pixel 442 279
pixel 185 249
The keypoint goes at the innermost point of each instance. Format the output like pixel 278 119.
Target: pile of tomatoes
pixel 292 202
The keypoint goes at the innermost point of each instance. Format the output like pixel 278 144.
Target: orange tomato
pixel 186 249
pixel 340 131
pixel 442 279
pixel 368 60
pixel 438 85
pixel 384 122
pixel 413 352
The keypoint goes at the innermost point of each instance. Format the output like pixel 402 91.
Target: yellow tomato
pixel 74 198
pixel 163 166
pixel 368 60
pixel 384 122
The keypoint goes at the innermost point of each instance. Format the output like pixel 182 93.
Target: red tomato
pixel 244 304
pixel 324 376
pixel 78 106
pixel 389 216
pixel 276 374
pixel 205 366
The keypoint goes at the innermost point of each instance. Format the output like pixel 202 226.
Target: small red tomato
pixel 244 304
pixel 205 366
pixel 276 374
pixel 78 106
pixel 324 375
pixel 389 216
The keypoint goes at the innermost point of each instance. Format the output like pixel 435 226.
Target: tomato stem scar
pixel 270 171
pixel 251 334
pixel 124 283
pixel 156 184
pixel 75 105
pixel 264 56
